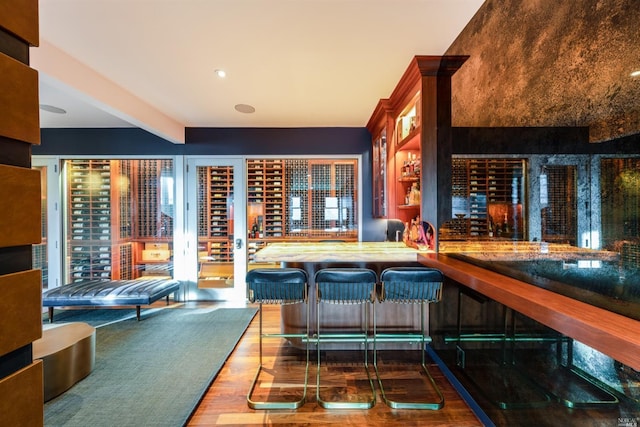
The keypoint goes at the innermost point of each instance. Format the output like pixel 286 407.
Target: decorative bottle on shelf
pixel 414 196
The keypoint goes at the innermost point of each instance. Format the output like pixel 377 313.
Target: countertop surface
pixel 399 252
pixel 496 250
pixel 337 252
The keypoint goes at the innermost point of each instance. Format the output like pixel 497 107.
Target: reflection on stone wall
pixel 551 63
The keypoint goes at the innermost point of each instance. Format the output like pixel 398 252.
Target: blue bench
pixel 109 293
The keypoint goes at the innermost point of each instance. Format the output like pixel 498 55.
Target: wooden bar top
pixel 612 334
pixel 326 252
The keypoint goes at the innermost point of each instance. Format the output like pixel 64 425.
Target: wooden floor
pixel 343 375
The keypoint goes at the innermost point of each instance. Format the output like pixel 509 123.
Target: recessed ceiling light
pixel 221 73
pixel 635 73
pixel 52 109
pixel 245 108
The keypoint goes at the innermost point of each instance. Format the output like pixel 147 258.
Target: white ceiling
pixel 300 63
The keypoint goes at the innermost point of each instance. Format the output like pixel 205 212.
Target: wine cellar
pixel 118 227
pixel 287 200
pixel 487 199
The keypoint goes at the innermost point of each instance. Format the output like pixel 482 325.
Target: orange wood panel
pixel 20 220
pixel 20 17
pixel 610 333
pixel 19 114
pixel 21 310
pixel 24 408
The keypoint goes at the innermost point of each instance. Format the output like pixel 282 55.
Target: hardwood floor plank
pixel 225 402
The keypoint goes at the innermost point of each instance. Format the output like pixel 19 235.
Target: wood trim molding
pixel 610 333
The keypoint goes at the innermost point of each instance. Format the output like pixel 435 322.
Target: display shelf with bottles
pixel 266 198
pixel 152 234
pixel 114 209
pixel 407 162
pixel 93 231
pixel 215 226
pixel 487 198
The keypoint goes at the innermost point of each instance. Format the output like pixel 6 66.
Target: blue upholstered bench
pixel 109 293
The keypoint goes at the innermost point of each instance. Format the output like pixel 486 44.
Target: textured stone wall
pixel 551 63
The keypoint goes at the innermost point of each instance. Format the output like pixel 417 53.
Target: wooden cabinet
pixel 417 116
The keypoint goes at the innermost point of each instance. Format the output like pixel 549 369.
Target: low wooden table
pixel 68 353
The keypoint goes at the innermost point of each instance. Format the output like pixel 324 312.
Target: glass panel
pixel 118 224
pixel 487 200
pixel 559 216
pixel 39 251
pixel 215 226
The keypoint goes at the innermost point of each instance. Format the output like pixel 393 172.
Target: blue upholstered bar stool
pixel 279 286
pixel 409 285
pixel 345 286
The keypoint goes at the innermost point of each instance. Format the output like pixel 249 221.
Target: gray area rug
pixel 153 372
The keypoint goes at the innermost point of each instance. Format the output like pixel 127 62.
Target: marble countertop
pixel 399 252
pixel 524 251
pixel 337 252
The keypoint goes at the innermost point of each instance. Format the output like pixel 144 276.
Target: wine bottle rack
pixel 90 220
pixel 266 192
pixel 114 210
pixel 482 190
pixel 215 195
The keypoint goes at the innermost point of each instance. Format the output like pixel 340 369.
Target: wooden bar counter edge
pixel 612 334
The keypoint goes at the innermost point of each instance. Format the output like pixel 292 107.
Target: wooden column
pixel 21 384
pixel 436 139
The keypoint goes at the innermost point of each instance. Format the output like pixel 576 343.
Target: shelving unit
pixel 417 116
pixel 487 193
pixel 115 219
pixel 215 226
pixel 96 249
pixel 266 198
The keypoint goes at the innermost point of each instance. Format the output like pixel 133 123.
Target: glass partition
pixel 118 217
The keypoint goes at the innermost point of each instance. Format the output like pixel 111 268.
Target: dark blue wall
pixel 224 141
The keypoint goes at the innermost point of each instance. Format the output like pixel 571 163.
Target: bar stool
pixel 278 286
pixel 409 285
pixel 345 286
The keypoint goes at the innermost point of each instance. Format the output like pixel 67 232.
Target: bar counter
pixel 312 256
pixel 610 333
pixel 613 334
pixel 337 252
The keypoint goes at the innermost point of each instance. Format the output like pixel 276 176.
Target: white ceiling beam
pixel 104 93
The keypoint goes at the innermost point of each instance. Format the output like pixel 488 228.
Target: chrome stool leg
pixel 412 285
pixel 345 286
pixel 278 286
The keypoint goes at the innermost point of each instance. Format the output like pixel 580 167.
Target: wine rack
pixel 266 198
pixel 115 212
pixel 92 242
pixel 215 225
pixel 487 198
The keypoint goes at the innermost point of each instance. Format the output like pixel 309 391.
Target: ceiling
pixel 299 63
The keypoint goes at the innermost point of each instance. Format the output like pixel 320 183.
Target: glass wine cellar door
pixel 216 214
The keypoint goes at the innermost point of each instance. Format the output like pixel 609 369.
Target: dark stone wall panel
pixel 550 63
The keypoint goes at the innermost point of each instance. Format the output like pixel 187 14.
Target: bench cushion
pixel 110 292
